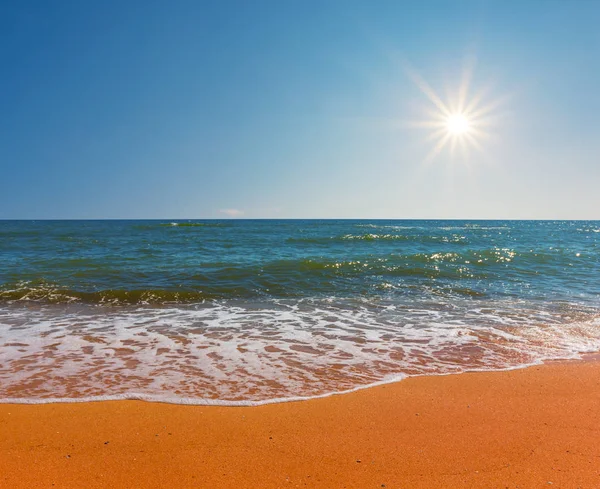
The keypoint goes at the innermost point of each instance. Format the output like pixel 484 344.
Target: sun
pixel 457 124
pixel 463 120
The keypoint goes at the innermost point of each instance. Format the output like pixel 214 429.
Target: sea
pixel 246 312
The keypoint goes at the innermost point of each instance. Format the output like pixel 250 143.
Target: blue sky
pixel 295 109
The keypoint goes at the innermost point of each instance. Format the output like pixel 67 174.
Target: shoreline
pixel 187 401
pixel 526 427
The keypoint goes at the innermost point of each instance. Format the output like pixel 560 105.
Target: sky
pixel 297 109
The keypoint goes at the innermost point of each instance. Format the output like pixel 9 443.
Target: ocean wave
pixel 57 294
pixel 247 353
pixel 373 237
pixel 304 277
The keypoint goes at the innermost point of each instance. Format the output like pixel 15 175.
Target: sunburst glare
pixel 464 120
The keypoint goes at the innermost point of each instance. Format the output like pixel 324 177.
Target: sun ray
pixel 476 100
pixel 429 92
pixel 474 142
pixel 494 105
pixel 453 143
pixel 465 85
pixel 426 124
pixel 436 135
pixel 437 148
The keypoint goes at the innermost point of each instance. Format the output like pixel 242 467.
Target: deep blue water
pixel 252 310
pixel 157 261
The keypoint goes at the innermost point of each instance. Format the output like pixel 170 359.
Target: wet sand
pixel 533 428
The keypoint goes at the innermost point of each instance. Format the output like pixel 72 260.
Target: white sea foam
pixel 235 353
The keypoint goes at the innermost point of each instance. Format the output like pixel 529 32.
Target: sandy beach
pixel 529 428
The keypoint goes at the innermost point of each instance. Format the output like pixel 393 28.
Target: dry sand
pixel 532 428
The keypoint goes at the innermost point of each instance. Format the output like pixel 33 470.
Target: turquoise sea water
pixel 246 311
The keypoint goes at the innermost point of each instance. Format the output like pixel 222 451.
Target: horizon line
pixel 292 219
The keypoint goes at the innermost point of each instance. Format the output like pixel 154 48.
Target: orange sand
pixel 532 428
